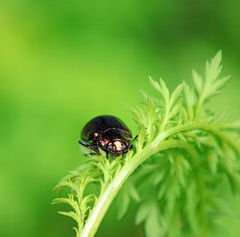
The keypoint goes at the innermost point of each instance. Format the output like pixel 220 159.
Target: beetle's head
pixel 117 147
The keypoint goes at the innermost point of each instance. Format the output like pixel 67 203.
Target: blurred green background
pixel 64 62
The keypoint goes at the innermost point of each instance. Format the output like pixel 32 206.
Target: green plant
pixel 182 155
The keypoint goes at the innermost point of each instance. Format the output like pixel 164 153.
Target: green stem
pixel 217 130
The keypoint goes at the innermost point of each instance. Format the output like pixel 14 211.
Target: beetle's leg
pixel 112 156
pixel 131 144
pixel 91 154
pixel 96 150
pixel 84 144
pixel 107 155
pixel 123 155
pixel 92 147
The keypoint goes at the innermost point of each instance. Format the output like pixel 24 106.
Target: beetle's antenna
pixel 131 144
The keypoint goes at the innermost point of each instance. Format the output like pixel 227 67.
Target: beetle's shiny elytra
pixel 107 133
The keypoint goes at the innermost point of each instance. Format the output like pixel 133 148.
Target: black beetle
pixel 108 133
